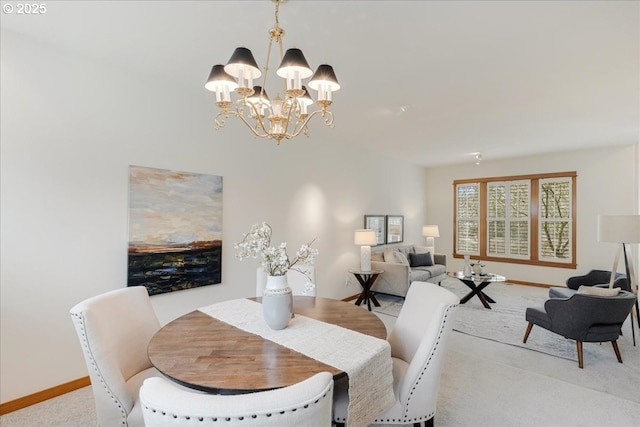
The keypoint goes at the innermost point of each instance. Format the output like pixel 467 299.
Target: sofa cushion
pixel 419 275
pixel 434 270
pixel 419 260
pixel 406 250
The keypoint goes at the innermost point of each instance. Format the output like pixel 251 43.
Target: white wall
pixel 606 184
pixel 70 129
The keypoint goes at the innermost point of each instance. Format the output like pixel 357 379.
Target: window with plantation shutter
pixel 526 219
pixel 468 219
pixel 508 219
pixel 555 219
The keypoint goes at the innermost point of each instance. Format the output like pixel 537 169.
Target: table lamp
pixel 431 231
pixel 365 238
pixel 622 229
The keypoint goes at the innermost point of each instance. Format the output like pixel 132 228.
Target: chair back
pixel 420 338
pixel 575 316
pixel 301 280
pixel 307 403
pixel 114 331
pixel 598 277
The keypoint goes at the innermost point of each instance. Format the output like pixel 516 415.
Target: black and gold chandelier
pixel 276 118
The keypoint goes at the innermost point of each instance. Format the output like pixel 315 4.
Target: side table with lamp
pixel 365 238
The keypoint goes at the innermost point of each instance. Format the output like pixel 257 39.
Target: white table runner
pixel 366 359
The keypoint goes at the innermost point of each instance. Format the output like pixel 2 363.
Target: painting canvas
pixel 395 228
pixel 376 223
pixel 175 229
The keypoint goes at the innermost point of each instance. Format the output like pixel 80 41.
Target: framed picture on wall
pixel 395 228
pixel 376 223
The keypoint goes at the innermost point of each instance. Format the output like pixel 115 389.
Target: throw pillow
pixel 421 249
pixel 601 292
pixel 419 260
pixel 390 256
pixel 402 259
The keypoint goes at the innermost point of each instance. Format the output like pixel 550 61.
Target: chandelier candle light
pixel 272 118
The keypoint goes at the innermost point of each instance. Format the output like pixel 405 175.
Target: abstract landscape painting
pixel 175 229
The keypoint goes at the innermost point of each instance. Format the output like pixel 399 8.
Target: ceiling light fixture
pixel 272 118
pixel 478 158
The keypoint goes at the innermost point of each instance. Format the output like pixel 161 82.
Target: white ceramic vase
pixel 277 302
pixel 467 266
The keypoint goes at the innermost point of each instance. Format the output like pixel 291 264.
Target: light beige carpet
pixel 505 323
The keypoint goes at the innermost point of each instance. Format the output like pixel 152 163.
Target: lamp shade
pixel 218 79
pixel 364 237
pixel 324 76
pixel 292 61
pixel 430 231
pixel 306 98
pixel 619 228
pixel 259 96
pixel 242 59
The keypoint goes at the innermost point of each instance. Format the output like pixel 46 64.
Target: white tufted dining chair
pixel 418 341
pixel 307 403
pixel 302 280
pixel 114 329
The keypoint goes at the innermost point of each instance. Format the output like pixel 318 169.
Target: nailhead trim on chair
pixel 424 369
pixel 432 414
pixel 241 417
pixel 85 345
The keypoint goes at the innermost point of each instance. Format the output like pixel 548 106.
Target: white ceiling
pixel 504 78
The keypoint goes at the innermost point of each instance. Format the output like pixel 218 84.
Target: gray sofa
pixel 405 264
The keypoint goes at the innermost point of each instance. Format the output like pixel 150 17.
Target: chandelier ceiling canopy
pixel 276 118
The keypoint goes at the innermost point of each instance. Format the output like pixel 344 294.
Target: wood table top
pixel 204 353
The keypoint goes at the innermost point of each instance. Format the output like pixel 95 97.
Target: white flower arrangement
pixel 275 260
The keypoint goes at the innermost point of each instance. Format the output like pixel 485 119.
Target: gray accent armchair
pixel 584 318
pixel 598 278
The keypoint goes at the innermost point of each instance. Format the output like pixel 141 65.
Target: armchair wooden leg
pixel 580 364
pixel 526 334
pixel 617 350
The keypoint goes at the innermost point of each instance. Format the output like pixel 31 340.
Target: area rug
pixel 505 323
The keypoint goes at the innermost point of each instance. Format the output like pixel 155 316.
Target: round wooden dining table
pixel 204 353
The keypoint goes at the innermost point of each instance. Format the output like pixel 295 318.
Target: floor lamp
pixel 431 231
pixel 625 230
